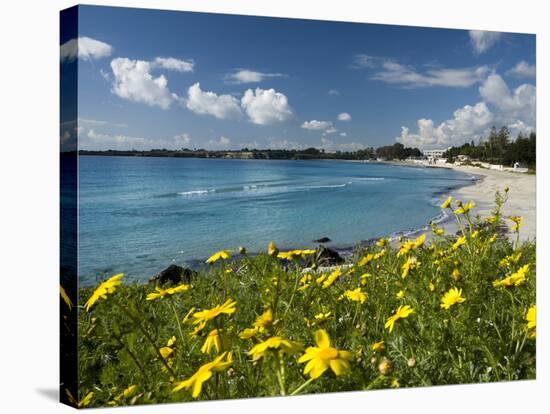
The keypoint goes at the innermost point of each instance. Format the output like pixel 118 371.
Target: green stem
pixel 301 387
pixel 148 337
pixel 177 320
pixel 297 277
pixel 132 357
pixel 281 374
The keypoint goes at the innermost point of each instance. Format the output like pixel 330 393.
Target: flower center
pixel 328 353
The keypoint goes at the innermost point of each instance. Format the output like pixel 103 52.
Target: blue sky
pixel 157 79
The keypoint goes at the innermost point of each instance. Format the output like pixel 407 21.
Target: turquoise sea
pixel 137 215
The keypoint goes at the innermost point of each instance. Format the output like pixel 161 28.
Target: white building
pixel 435 156
pixel 434 153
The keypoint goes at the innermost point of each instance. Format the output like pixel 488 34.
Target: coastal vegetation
pixel 500 148
pixel 448 309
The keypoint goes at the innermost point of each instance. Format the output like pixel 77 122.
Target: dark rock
pixel 174 274
pixel 323 240
pixel 325 257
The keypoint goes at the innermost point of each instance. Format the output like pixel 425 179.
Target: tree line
pixel 396 151
pixel 499 148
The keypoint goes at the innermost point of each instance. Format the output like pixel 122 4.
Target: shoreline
pixel 521 198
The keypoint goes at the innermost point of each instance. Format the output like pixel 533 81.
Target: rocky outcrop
pixel 174 274
pixel 323 240
pixel 324 257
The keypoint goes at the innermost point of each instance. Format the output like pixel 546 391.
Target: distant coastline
pixel 396 151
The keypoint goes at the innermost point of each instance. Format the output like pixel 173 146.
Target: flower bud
pixel 411 363
pixel 242 250
pixel 385 367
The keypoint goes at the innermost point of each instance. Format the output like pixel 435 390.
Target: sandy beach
pixel 521 200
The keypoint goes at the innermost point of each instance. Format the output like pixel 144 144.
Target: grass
pixel 136 351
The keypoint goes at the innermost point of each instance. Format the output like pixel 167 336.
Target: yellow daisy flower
pixel 105 288
pixel 65 297
pixel 356 295
pixel 446 203
pixel 214 340
pixel 202 317
pixel 161 293
pixel 531 319
pixel 323 357
pixel 274 343
pixel 221 255
pixel 204 373
pixel 452 297
pixel 402 311
pixel 459 242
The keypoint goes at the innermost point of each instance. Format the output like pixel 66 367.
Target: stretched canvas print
pixel 255 206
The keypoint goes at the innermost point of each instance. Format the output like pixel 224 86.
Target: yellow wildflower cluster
pixel 295 254
pixel 305 281
pixel 510 260
pixel 515 279
pixel 410 245
pixel 328 280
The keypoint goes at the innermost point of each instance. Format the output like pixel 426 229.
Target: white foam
pixel 195 192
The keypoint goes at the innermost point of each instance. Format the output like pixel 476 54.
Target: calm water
pixel 139 215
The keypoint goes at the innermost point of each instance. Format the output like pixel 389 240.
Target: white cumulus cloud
pixel 315 125
pixel 84 48
pixel 519 103
pixel 133 81
pixel 483 40
pixel 523 70
pixel 344 116
pixel 500 107
pixel 266 106
pixel 468 123
pixel 210 103
pixel 250 76
pixel 171 63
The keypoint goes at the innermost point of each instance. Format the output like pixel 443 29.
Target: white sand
pixel 521 198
